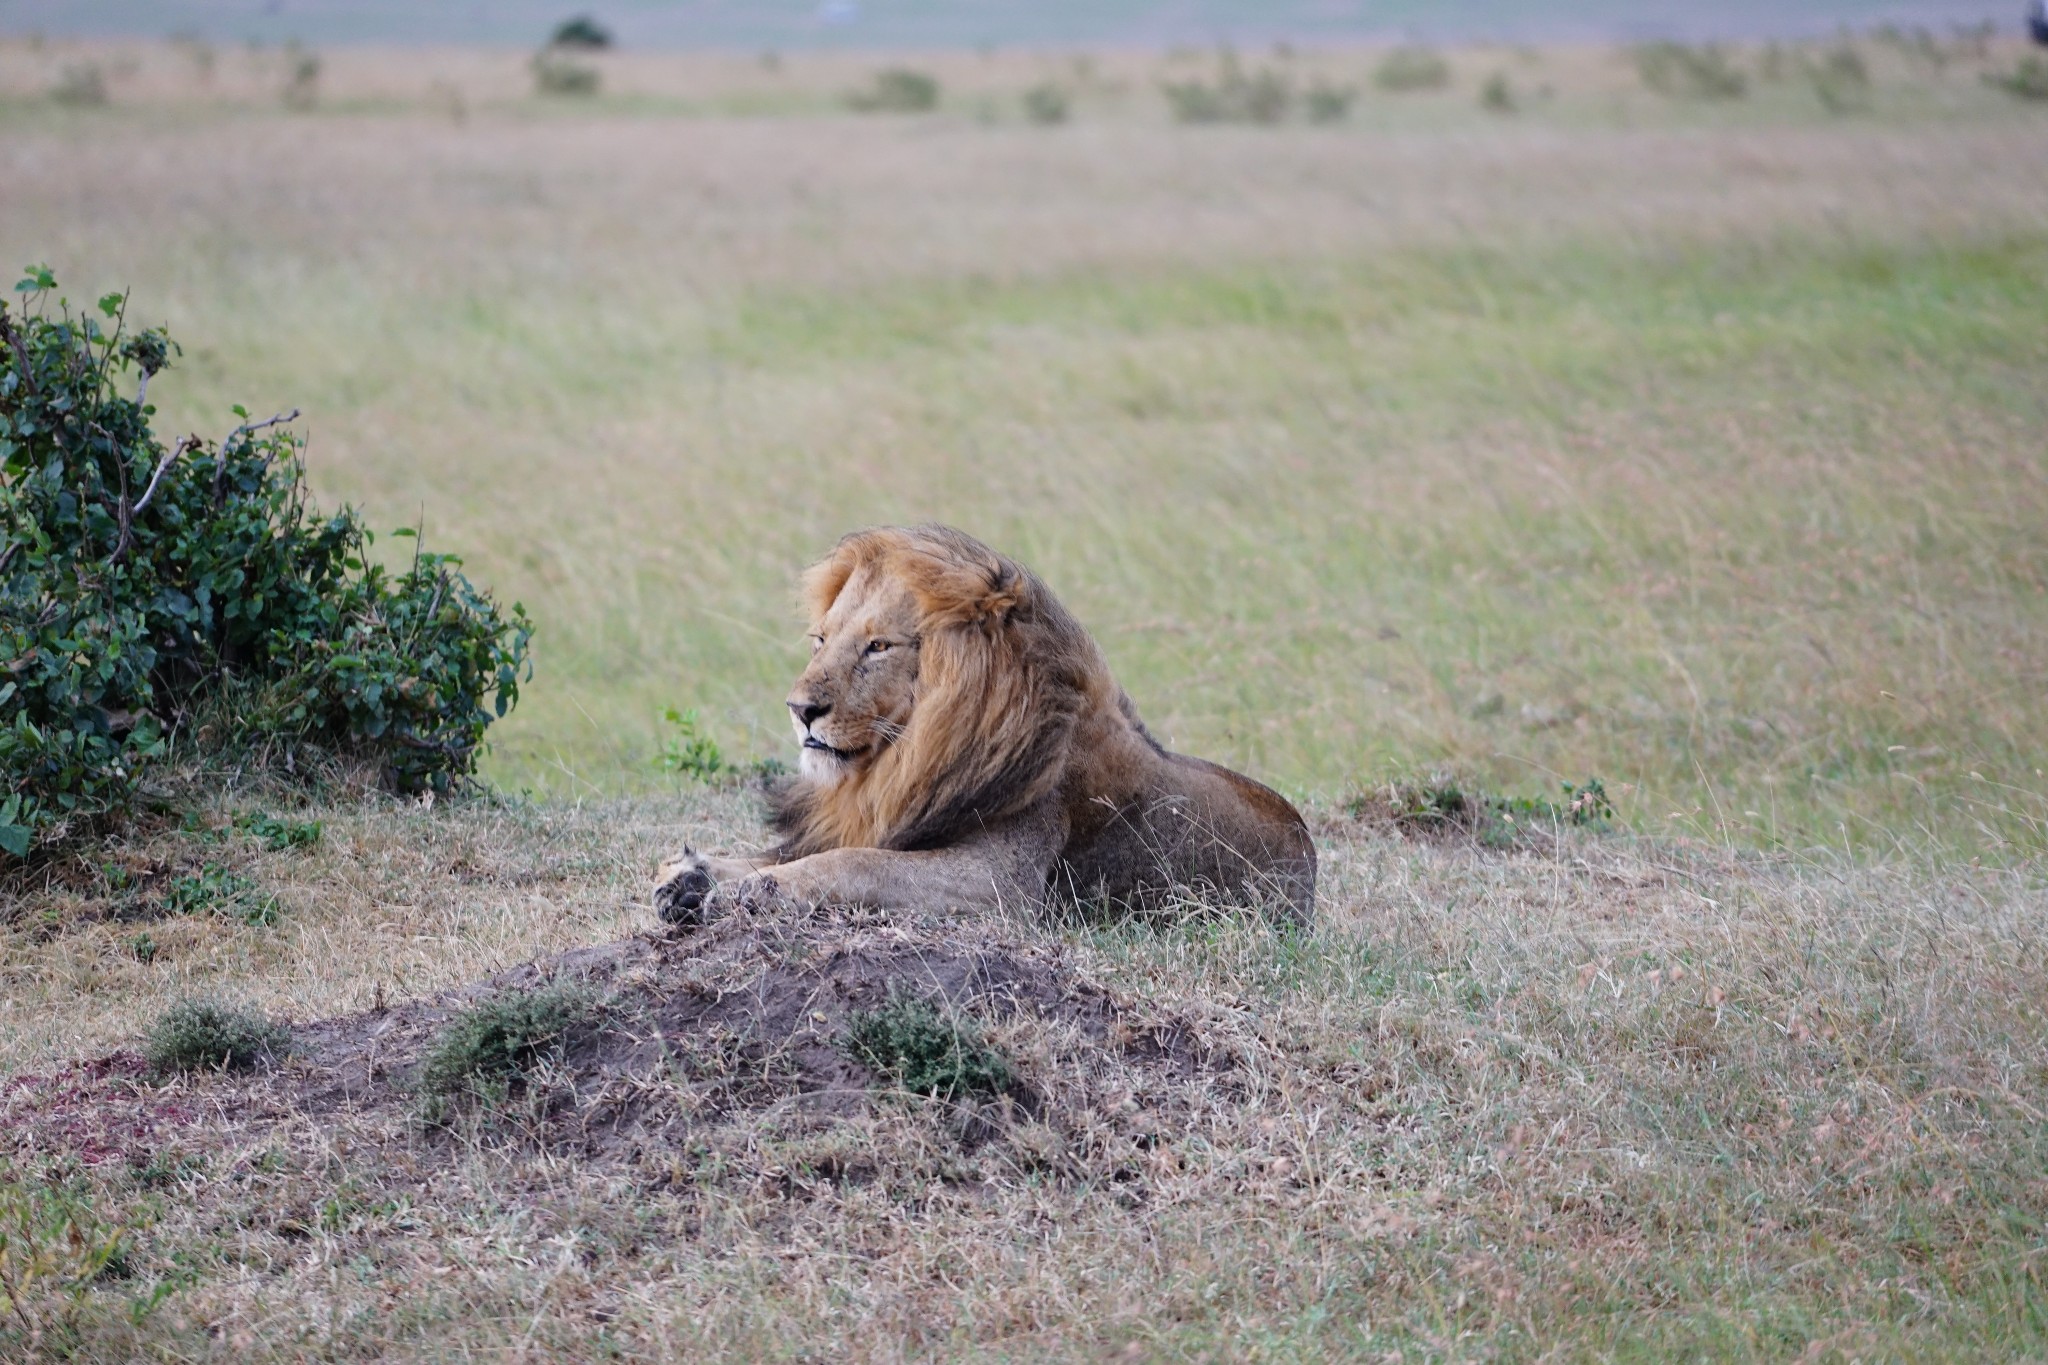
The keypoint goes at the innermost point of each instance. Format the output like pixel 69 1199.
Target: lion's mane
pixel 1004 673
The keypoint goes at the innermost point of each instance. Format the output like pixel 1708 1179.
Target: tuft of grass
pixel 478 1056
pixel 201 1035
pixel 926 1049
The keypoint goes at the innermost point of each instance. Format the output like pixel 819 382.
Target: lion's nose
pixel 807 711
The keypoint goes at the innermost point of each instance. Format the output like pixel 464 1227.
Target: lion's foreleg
pixel 963 879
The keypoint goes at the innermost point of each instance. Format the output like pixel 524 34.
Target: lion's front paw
pixel 681 890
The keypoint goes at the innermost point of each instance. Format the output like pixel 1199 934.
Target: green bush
pixel 1497 95
pixel 2028 80
pixel 142 586
pixel 201 1035
pixel 555 73
pixel 581 32
pixel 1263 96
pixel 1841 80
pixel 83 86
pixel 926 1050
pixel 690 750
pixel 1326 103
pixel 483 1051
pixel 898 90
pixel 1047 104
pixel 1684 72
pixel 1413 68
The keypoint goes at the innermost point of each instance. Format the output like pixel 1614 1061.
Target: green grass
pixel 1746 528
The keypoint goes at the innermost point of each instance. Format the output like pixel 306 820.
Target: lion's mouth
pixel 817 745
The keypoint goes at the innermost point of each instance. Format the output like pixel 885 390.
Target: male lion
pixel 964 746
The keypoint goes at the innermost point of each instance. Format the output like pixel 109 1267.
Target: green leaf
pixel 37 277
pixel 110 304
pixel 240 411
pixel 15 839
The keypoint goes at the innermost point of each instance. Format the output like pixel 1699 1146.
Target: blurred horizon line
pixel 858 25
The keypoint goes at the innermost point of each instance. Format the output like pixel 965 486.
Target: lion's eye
pixel 817 643
pixel 878 646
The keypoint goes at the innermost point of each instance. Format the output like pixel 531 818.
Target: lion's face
pixel 855 698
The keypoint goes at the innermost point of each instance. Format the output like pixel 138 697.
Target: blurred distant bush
pixel 1682 71
pixel 1841 79
pixel 1234 96
pixel 81 86
pixel 581 32
pixel 2028 80
pixel 898 90
pixel 1327 103
pixel 1497 95
pixel 1413 68
pixel 150 593
pixel 555 72
pixel 1047 104
pixel 302 87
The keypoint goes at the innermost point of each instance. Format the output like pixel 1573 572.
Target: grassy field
pixel 1691 444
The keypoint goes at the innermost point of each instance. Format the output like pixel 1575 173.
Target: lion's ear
pixel 1006 592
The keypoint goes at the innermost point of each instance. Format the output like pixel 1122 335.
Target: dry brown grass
pixel 1581 1097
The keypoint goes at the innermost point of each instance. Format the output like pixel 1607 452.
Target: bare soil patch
pixel 695 1045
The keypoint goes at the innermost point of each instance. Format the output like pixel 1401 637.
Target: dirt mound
pixel 691 1050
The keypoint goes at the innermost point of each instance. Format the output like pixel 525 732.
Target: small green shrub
pixel 82 86
pixel 141 587
pixel 1412 68
pixel 217 890
pixel 557 73
pixel 926 1050
pixel 1682 71
pixel 1327 103
pixel 1262 96
pixel 206 1035
pixel 1841 80
pixel 582 32
pixel 481 1053
pixel 2028 80
pixel 898 90
pixel 277 834
pixel 302 87
pixel 1443 805
pixel 689 750
pixel 1047 104
pixel 1497 95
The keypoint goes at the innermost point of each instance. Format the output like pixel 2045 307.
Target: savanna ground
pixel 1691 444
